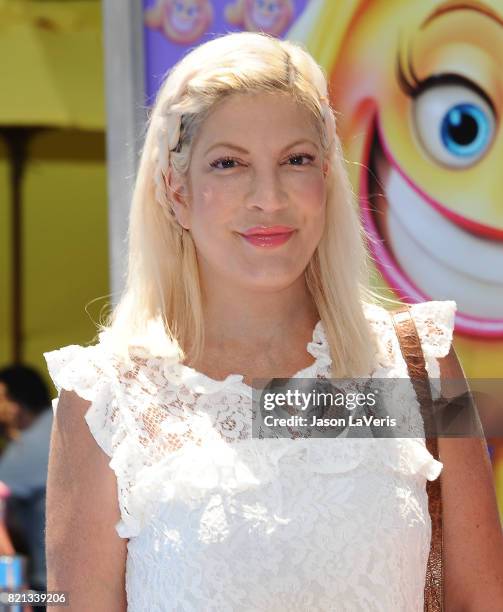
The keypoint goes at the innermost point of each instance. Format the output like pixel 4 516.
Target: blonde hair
pixel 161 307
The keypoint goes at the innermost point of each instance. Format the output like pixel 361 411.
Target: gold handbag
pixel 412 352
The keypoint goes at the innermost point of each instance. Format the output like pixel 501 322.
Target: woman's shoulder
pixel 80 368
pixel 434 321
pixel 126 407
pixel 107 359
pixel 89 371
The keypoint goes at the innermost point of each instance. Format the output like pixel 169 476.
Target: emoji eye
pixel 454 123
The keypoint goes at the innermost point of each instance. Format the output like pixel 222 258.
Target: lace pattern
pixel 218 520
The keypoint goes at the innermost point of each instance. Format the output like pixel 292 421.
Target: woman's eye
pixel 223 160
pixel 227 161
pixel 300 156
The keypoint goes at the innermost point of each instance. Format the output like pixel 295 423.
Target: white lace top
pixel 219 521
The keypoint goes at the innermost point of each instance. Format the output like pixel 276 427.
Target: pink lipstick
pixel 271 236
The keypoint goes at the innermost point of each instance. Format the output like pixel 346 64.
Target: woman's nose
pixel 267 192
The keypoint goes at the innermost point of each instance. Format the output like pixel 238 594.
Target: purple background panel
pixel 161 53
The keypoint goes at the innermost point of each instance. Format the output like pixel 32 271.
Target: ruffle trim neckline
pixel 178 373
pixel 434 345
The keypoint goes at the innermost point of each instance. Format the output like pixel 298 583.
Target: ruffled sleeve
pixel 87 371
pixel 435 322
pixel 435 325
pixel 92 373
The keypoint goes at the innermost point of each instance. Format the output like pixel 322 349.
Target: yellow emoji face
pixel 419 87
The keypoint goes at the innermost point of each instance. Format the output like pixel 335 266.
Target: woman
pixel 246 250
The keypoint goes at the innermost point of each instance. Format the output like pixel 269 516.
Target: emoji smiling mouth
pixel 424 251
pixel 262 19
pixel 181 24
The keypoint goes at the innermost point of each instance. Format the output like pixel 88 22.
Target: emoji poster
pixel 418 92
pixel 174 26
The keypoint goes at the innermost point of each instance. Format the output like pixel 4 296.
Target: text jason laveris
pixel 351 421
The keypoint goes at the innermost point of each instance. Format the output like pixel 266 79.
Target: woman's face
pixel 257 161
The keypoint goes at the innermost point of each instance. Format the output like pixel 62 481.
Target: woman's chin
pixel 273 282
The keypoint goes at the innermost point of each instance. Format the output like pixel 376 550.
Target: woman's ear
pixel 177 191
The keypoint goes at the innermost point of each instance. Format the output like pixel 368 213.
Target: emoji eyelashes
pixel 181 21
pixel 270 16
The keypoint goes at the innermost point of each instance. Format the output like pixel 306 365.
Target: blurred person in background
pixel 8 419
pixel 25 408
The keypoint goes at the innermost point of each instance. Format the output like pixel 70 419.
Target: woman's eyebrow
pixel 230 145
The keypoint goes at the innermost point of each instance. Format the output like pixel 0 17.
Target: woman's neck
pixel 242 320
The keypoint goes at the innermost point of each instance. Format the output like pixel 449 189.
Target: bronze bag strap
pixel 412 352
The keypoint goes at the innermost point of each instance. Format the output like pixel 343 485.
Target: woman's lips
pixel 268 240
